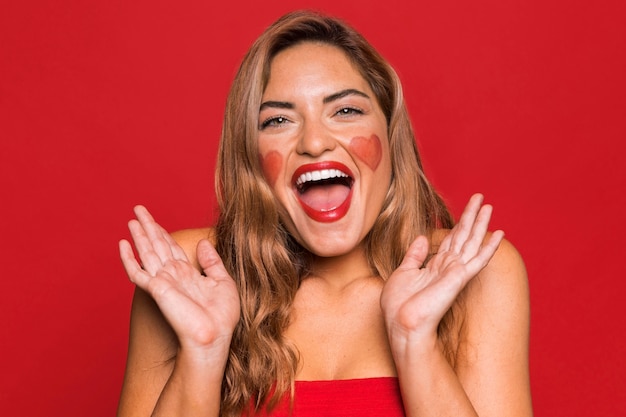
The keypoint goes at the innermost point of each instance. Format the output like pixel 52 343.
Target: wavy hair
pixel 259 253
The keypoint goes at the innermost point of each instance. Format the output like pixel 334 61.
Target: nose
pixel 315 139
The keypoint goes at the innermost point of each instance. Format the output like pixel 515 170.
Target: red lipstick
pixel 324 190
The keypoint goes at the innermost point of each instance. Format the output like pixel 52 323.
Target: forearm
pixel 429 385
pixel 194 387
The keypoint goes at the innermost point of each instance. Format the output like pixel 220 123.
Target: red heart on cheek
pixel 271 164
pixel 368 150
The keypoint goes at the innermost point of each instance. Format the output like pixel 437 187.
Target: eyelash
pixel 273 120
pixel 350 111
pixel 280 120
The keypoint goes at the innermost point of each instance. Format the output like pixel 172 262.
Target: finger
pixel 446 243
pixel 416 254
pixel 486 252
pixel 154 233
pixel 135 273
pixel 479 231
pixel 150 260
pixel 210 261
pixel 462 230
pixel 177 251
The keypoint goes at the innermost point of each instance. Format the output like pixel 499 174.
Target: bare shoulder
pixel 493 344
pixel 502 284
pixel 507 259
pixel 153 345
pixel 505 268
pixel 498 307
pixel 188 240
pixel 493 335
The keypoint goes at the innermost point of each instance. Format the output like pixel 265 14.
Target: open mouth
pixel 324 190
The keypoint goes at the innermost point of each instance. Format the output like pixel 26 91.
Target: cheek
pixel 368 150
pixel 271 163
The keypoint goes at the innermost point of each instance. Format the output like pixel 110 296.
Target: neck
pixel 340 271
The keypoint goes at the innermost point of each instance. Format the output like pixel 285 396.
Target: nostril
pixel 315 140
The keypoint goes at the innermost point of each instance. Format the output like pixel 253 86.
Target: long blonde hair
pixel 258 252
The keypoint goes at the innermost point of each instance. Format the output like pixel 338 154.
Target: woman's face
pixel 323 147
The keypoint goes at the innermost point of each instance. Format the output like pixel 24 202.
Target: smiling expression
pixel 323 148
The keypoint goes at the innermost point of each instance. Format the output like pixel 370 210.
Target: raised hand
pixel 202 309
pixel 416 297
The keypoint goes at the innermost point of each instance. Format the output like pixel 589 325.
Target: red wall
pixel 104 105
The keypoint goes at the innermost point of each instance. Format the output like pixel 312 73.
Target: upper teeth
pixel 323 174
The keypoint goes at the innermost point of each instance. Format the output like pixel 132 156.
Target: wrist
pixel 194 386
pixel 214 355
pixel 409 344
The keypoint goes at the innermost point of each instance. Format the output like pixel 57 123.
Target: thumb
pixel 416 254
pixel 210 260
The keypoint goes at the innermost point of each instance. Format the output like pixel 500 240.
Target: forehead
pixel 313 66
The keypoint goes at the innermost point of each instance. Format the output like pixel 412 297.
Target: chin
pixel 336 248
pixel 328 240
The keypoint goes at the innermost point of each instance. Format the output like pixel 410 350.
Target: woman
pixel 335 277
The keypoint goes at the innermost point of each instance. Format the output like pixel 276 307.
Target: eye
pixel 273 121
pixel 349 111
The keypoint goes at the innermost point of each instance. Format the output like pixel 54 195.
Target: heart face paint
pixel 271 163
pixel 329 219
pixel 368 150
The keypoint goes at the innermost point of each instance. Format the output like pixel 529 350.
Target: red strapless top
pixel 369 397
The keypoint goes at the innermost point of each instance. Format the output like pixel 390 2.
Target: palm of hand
pixel 202 309
pixel 416 297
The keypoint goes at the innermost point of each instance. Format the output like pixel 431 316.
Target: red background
pixel 104 105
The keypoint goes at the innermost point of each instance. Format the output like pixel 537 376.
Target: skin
pixel 272 164
pixel 313 110
pixel 393 324
pixel 368 150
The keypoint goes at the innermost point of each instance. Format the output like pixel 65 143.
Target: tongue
pixel 325 197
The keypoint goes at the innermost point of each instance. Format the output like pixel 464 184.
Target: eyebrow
pixel 327 99
pixel 344 93
pixel 276 105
